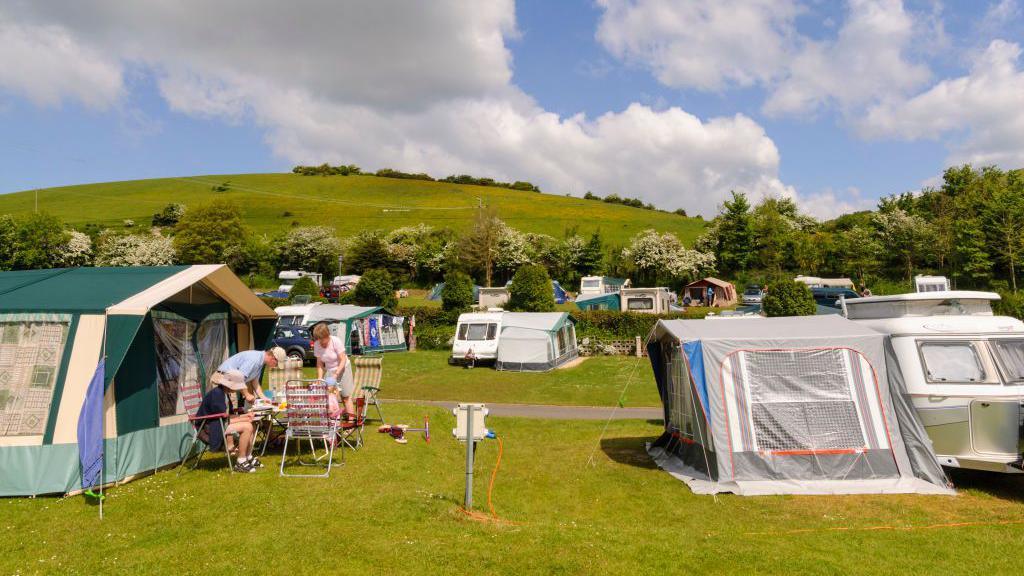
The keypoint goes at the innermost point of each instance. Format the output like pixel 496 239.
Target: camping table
pixel 266 419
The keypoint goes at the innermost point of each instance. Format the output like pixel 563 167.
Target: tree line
pixel 969 229
pixel 351 169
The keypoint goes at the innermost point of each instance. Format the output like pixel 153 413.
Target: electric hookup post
pixel 470 428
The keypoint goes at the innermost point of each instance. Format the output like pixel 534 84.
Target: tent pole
pixel 103 415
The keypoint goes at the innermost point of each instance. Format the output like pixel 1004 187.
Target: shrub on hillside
pixel 789 298
pixel 376 288
pixel 389 173
pixel 170 215
pixel 310 248
pixel 457 294
pixel 530 290
pixel 134 250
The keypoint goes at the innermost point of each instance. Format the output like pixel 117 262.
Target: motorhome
pixel 930 283
pixel 602 284
pixel 477 331
pixel 964 371
pixel 646 300
pixel 288 279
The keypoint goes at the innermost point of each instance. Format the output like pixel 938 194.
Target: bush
pixel 169 216
pixel 789 298
pixel 275 302
pixel 134 250
pixel 531 290
pixel 457 293
pixel 210 233
pixel 304 287
pixel 613 325
pixel 1010 304
pixel 309 248
pixel 376 288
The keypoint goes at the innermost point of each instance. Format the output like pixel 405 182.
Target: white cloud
pixel 830 203
pixel 715 44
pixel 866 61
pixel 413 86
pixel 986 106
pixel 707 45
pixel 45 64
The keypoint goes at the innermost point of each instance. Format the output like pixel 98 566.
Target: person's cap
pixel 279 355
pixel 232 379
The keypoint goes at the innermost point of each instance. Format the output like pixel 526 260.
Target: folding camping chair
pixel 310 420
pixel 351 433
pixel 367 373
pixel 272 424
pixel 193 398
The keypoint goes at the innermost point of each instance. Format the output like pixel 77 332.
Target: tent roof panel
pixel 216 277
pixel 533 320
pixel 789 327
pixel 77 289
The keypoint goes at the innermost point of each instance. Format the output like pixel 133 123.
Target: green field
pixel 348 203
pixel 394 509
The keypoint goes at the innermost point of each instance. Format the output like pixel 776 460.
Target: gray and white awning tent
pixel 795 405
pixel 373 327
pixel 536 341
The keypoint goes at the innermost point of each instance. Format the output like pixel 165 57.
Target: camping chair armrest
pixel 220 416
pixel 372 388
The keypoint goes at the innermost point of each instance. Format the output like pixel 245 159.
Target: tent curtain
pixel 121 330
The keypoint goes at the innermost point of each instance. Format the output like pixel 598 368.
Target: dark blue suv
pixel 296 341
pixel 830 296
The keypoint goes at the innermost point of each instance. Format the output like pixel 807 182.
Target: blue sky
pixel 680 101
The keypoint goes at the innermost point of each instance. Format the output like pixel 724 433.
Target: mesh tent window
pixel 187 353
pixel 31 348
pixel 802 401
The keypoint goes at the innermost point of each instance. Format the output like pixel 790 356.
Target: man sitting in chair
pixel 218 401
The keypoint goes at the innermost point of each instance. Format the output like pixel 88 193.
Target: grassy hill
pixel 274 202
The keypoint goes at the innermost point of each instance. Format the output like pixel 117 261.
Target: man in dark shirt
pixel 218 401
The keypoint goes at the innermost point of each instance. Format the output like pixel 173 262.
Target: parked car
pixel 296 341
pixel 830 296
pixel 752 295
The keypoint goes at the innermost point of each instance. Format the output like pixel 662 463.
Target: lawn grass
pixel 598 381
pixel 273 203
pixel 394 509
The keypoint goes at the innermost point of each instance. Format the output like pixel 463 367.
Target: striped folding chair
pixel 193 398
pixel 309 420
pixel 367 374
pixel 277 377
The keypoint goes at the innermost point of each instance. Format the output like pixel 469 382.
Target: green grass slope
pixel 348 203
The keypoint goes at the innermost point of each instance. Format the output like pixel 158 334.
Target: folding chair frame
pixel 326 432
pixel 197 432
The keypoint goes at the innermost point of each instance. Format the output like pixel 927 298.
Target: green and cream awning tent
pixel 376 329
pixel 162 331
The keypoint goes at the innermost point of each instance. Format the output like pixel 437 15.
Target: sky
pixel 677 102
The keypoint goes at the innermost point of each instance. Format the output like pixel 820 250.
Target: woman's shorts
pixel 346 385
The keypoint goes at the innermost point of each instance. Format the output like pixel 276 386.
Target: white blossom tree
pixel 663 255
pixel 311 248
pixel 513 249
pixel 903 234
pixel 77 251
pixel 134 250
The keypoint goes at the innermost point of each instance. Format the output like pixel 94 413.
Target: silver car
pixel 752 296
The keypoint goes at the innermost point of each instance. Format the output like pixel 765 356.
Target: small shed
pixel 725 292
pixel 364 329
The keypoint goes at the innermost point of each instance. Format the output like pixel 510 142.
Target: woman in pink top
pixel 332 365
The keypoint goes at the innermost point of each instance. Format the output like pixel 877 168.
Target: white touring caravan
pixel 964 371
pixel 931 283
pixel 646 300
pixel 288 278
pixel 479 331
pixel 602 284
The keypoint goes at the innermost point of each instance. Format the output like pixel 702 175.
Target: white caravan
pixel 964 371
pixel 602 284
pixel 931 283
pixel 295 314
pixel 288 279
pixel 645 300
pixel 477 331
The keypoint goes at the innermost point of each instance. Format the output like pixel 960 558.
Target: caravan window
pixel 595 283
pixel 30 357
pixel 1010 354
pixel 289 320
pixel 477 332
pixel 641 304
pixel 952 363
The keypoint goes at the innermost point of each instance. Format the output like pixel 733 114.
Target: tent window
pixel 1011 360
pixel 788 415
pixel 561 342
pixel 641 304
pixel 952 363
pixel 187 353
pixel 30 355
